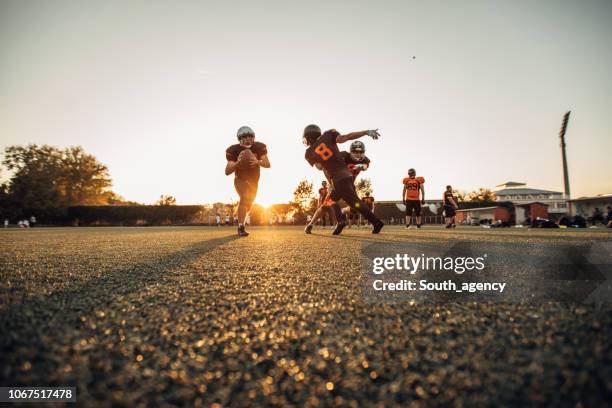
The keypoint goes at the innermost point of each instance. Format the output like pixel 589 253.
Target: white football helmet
pixel 244 131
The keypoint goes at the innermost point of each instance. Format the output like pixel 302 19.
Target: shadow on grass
pixel 27 322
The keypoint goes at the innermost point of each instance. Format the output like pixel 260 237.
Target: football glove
pixel 374 134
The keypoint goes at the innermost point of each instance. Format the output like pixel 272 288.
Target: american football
pixel 245 158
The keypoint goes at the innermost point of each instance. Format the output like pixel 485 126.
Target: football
pixel 245 158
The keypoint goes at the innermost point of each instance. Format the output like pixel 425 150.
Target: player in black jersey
pixel 244 159
pixel 450 206
pixel 356 161
pixel 323 153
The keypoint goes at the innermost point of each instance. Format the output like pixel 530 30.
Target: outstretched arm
pixel 356 135
pixel 351 136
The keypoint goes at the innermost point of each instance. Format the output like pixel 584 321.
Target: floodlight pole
pixel 565 172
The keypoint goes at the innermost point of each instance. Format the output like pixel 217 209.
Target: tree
pixel 85 181
pixel 166 200
pixel 460 196
pixel 48 177
pixel 480 195
pixel 303 196
pixel 363 186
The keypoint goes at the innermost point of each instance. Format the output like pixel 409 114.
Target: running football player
pixel 323 153
pixel 450 205
pixel 413 190
pixel 356 161
pixel 244 160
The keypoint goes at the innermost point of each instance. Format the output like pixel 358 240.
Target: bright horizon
pixel 156 90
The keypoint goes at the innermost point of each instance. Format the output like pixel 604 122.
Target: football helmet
pixel 244 131
pixel 357 146
pixel 412 172
pixel 311 134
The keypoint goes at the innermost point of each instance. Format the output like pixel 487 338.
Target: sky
pixel 469 93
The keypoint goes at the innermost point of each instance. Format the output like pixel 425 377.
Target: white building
pixel 585 206
pixel 519 193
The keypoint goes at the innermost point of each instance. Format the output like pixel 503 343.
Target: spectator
pixel 597 217
pixel 32 221
pixel 6 223
pixel 218 219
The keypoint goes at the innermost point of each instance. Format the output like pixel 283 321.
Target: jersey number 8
pixel 324 152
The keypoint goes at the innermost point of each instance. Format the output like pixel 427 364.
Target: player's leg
pixel 447 218
pixel 408 205
pixel 247 190
pixel 452 213
pixel 417 212
pixel 346 190
pixel 338 214
pixel 319 213
pixel 315 217
pixel 330 214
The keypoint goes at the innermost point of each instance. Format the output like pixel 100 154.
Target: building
pixel 519 193
pixel 585 206
pixel 478 214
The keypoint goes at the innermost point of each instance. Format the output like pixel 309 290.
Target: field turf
pixel 196 316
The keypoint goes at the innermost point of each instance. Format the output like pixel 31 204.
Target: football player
pixel 244 160
pixel 413 190
pixel 356 161
pixel 450 205
pixel 323 153
pixel 325 204
pixel 368 200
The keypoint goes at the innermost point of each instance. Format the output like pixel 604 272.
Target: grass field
pixel 195 316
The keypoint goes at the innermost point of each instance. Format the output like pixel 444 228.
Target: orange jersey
pixel 413 186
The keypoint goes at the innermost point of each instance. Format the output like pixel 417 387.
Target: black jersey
pixel 447 197
pixel 325 151
pixel 258 149
pixel 351 162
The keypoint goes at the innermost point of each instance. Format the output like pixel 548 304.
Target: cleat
pixel 308 229
pixel 339 227
pixel 407 226
pixel 378 227
pixel 242 232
